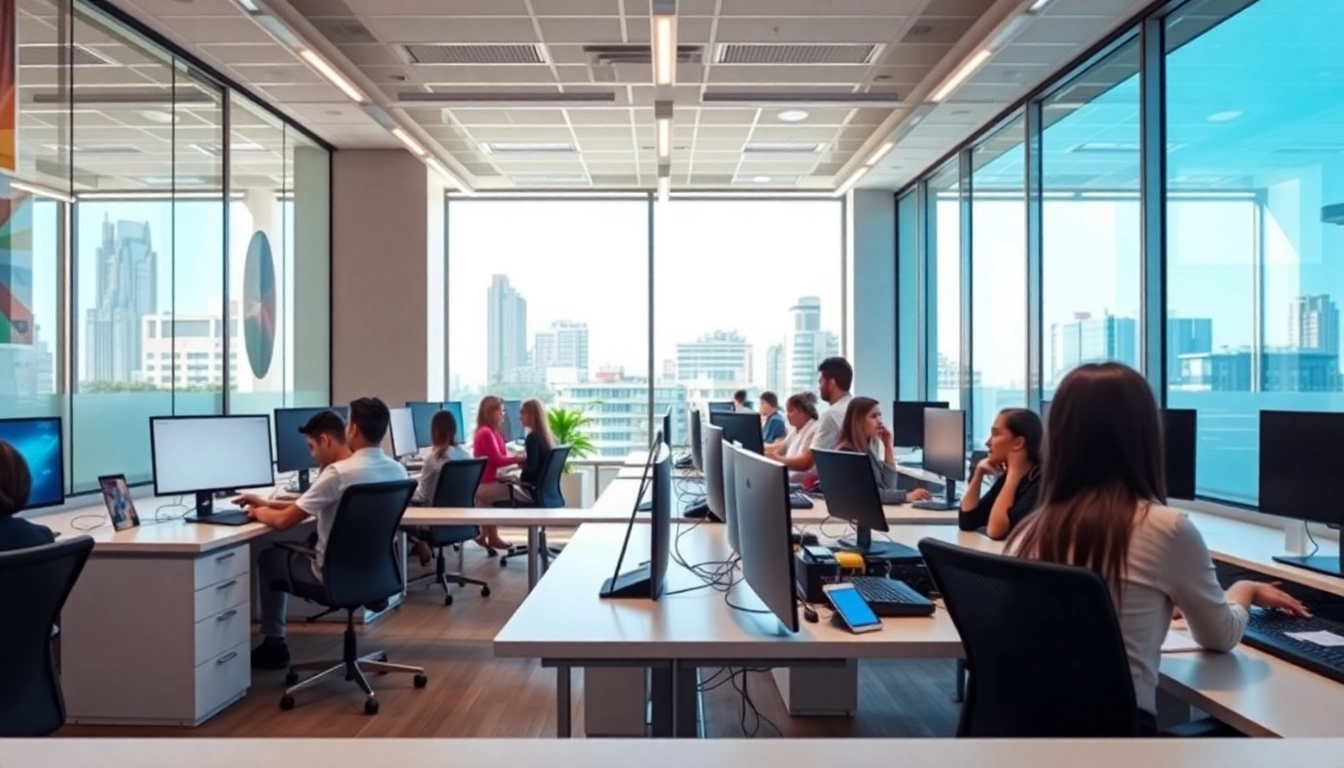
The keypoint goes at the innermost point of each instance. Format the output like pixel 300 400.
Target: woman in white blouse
pixel 800 411
pixel 1103 507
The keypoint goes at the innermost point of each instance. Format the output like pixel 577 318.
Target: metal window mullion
pixel 1153 212
pixel 966 367
pixel 1033 181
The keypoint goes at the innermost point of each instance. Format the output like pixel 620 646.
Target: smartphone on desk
pixel 852 609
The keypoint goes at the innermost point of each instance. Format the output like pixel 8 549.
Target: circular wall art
pixel 259 305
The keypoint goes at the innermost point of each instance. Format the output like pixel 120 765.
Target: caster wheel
pixel 447 599
pixel 370 706
pixel 420 681
pixel 491 552
pixel 291 678
pixel 503 561
pixel 286 702
pixel 485 591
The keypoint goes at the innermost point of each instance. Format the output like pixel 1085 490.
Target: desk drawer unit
pixel 157 639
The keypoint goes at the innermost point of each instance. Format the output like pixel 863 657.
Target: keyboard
pixel 799 500
pixel 889 597
pixel 237 517
pixel 1267 631
pixel 934 505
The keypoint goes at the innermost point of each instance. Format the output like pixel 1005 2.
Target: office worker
pixel 367 463
pixel 443 448
pixel 1103 507
pixel 773 428
pixel 539 441
pixel 1014 462
pixel 800 410
pixel 488 444
pixel 834 378
pixel 16 482
pixel 864 432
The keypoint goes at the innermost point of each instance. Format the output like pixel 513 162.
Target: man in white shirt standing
pixel 368 463
pixel 834 378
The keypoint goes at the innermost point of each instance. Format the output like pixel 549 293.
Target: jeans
pixel 286 565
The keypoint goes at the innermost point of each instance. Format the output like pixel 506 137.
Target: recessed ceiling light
pixel 792 115
pixel 760 179
pixel 159 116
pixel 1224 116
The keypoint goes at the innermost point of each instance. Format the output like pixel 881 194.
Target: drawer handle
pixel 227 615
pixel 226 658
pixel 225 556
pixel 226 585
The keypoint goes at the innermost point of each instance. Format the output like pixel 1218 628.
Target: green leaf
pixel 567 427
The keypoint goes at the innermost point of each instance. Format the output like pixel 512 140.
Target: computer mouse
pixel 809 540
pixel 809 614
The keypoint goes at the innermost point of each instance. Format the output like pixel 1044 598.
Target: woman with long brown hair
pixel 1014 461
pixel 1103 507
pixel 539 441
pixel 489 445
pixel 862 431
pixel 444 448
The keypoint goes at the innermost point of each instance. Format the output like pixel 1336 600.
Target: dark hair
pixel 370 417
pixel 1103 466
pixel 770 399
pixel 805 402
pixel 859 408
pixel 837 369
pixel 15 480
pixel 1024 423
pixel 740 396
pixel 443 432
pixel 325 423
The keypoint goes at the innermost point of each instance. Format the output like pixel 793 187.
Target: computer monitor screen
pixel 649 578
pixel 205 454
pixel 422 416
pixel 39 442
pixel 402 427
pixel 697 442
pixel 945 442
pixel 1301 454
pixel 765 530
pixel 713 470
pixel 907 422
pixel 291 447
pixel 1178 431
pixel 740 427
pixel 722 405
pixel 464 430
pixel 512 429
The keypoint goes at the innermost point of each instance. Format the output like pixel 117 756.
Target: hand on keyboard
pixel 1264 595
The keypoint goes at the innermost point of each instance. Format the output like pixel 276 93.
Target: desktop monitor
pixel 765 533
pixel 38 440
pixel 422 417
pixel 722 405
pixel 1300 457
pixel 697 442
pixel 291 446
pixel 712 467
pixel 512 429
pixel 203 455
pixel 1178 434
pixel 851 494
pixel 740 427
pixel 907 421
pixel 464 432
pixel 648 579
pixel 729 477
pixel 667 426
pixel 402 426
pixel 945 446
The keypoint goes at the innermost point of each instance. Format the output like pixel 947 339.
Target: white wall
pixel 870 229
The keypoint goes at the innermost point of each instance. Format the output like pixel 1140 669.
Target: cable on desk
pixel 1314 546
pixel 821 528
pixel 160 517
pixel 101 520
pixel 749 707
pixel 729 602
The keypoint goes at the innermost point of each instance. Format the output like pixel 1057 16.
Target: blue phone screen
pixel 852 607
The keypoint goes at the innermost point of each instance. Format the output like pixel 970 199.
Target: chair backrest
pixel 549 494
pixel 34 585
pixel 1043 647
pixel 458 481
pixel 360 563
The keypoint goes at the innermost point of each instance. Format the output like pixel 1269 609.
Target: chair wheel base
pixel 491 552
pixel 291 678
pixel 485 591
pixel 286 702
pixel 420 681
pixel 447 599
pixel 370 706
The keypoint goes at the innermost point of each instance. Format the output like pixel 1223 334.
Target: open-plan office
pixel 672 381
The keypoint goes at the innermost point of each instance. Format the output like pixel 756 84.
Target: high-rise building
pixel 807 344
pixel 126 292
pixel 563 345
pixel 505 329
pixel 182 351
pixel 1313 324
pixel 714 366
pixel 774 370
pixel 1186 336
pixel 618 407
pixel 1088 339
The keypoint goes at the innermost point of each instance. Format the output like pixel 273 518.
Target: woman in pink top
pixel 489 445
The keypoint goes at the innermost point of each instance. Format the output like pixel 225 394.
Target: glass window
pixel 998 276
pixel 908 297
pixel 550 300
pixel 1090 219
pixel 1254 270
pixel 943 286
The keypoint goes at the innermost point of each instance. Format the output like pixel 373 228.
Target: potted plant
pixel 567 427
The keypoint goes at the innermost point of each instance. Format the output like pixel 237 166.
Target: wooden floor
pixel 473 694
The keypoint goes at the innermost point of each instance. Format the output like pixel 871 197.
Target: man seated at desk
pixel 834 378
pixel 364 462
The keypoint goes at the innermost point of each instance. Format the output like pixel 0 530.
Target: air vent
pixel 549 180
pixel 53 55
pixel 216 149
pixel 783 147
pixel 795 53
pixel 475 53
pixel 97 149
pixel 761 180
pixel 528 147
pixel 608 55
pixel 344 31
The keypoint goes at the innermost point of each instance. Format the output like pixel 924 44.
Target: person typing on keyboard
pixel 1014 462
pixel 1103 507
pixel 863 432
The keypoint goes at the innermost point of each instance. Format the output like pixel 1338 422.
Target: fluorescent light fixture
pixel 332 76
pixel 138 194
pixel 664 188
pixel 850 182
pixel 411 144
pixel 447 175
pixel 1037 6
pixel 792 115
pixel 760 179
pixel 961 74
pixel 248 6
pixel 662 114
pixel 664 36
pixel 38 189
pixel 879 154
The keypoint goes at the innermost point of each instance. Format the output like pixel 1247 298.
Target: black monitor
pixel 1178 433
pixel 422 417
pixel 455 407
pixel 907 422
pixel 722 405
pixel 712 467
pixel 742 427
pixel 1300 457
pixel 765 533
pixel 512 428
pixel 203 455
pixel 1045 412
pixel 945 447
pixel 697 442
pixel 38 441
pixel 851 494
pixel 291 446
pixel 648 579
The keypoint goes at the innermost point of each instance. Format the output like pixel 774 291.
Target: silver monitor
pixel 730 451
pixel 402 426
pixel 203 455
pixel 765 531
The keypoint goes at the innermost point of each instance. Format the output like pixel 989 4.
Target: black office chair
pixel 456 487
pixel 34 585
pixel 360 568
pixel 544 494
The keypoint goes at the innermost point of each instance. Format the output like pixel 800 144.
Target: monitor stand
pixel 1330 565
pixel 949 502
pixel 205 507
pixel 304 480
pixel 634 583
pixel 880 550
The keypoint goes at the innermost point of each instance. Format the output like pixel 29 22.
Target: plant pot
pixel 577 486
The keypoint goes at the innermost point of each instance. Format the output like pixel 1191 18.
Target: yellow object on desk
pixel 850 560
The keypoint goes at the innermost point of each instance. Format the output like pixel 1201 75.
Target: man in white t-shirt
pixel 368 463
pixel 834 378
